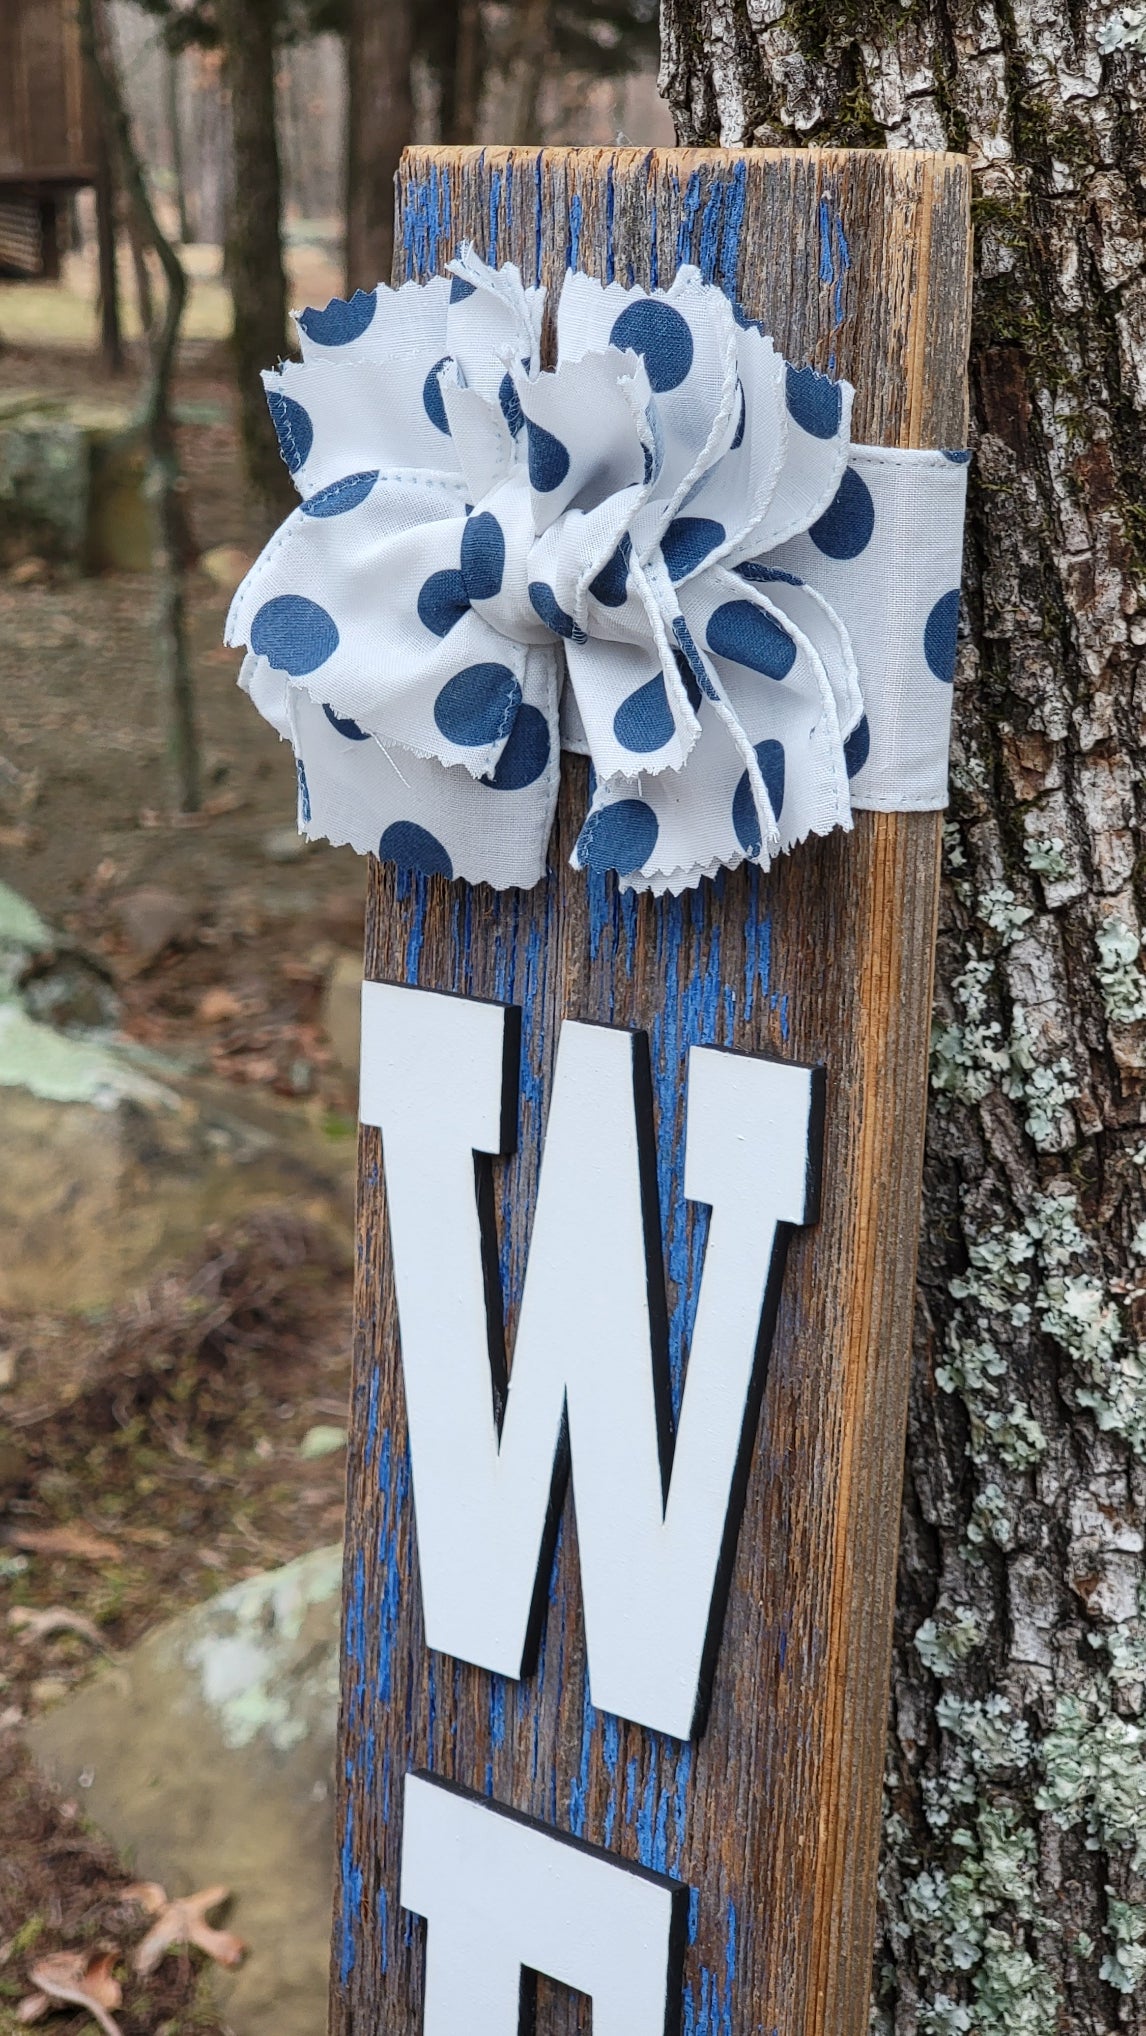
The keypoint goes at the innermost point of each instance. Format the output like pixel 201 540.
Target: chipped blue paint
pixel 709 248
pixel 579 1786
pixel 573 235
pixel 630 1790
pixel 494 208
pixel 610 202
pixel 497 1712
pixel 713 2016
pixel 371 1415
pixel 351 1901
pixel 647 1814
pixel 610 1753
pixel 827 261
pixel 735 198
pixel 384 1929
pixel 757 950
pixel 680 1805
pixel 689 207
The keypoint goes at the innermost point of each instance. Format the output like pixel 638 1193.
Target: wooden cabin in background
pixel 49 136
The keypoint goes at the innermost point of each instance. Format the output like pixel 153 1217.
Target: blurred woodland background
pixel 179 971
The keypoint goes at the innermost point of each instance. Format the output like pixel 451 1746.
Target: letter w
pixel 657 1516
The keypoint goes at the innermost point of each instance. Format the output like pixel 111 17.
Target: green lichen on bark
pixel 1014 1893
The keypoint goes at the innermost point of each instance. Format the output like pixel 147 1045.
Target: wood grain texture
pixel 858 263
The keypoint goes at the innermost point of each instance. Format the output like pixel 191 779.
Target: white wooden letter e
pixel 657 1516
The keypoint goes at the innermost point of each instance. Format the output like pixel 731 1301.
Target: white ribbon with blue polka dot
pixel 665 554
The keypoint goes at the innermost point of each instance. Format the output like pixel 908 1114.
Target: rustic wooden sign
pixel 672 1819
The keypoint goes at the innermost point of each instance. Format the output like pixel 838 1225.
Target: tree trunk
pixel 172 551
pixel 254 237
pixel 379 123
pixel 532 55
pixel 1015 1840
pixel 459 58
pixel 171 74
pixel 110 329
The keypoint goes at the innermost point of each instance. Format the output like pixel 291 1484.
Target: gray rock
pixel 207 1755
pixel 111 1168
pixel 112 1160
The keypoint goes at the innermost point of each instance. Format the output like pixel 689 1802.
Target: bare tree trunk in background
pixel 254 258
pixel 379 123
pixel 460 65
pixel 110 333
pixel 1014 1892
pixel 171 72
pixel 135 232
pixel 532 53
pixel 154 420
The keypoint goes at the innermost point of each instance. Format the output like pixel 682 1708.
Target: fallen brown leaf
pixel 182 1921
pixel 69 1540
pixel 217 1004
pixel 41 1624
pixel 80 1979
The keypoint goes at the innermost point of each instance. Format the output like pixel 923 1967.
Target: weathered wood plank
pixel 857 263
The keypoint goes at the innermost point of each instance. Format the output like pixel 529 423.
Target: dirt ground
pixel 152 1456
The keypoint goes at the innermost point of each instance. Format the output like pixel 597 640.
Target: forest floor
pixel 150 1455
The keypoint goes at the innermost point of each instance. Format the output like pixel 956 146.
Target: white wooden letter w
pixel 657 1516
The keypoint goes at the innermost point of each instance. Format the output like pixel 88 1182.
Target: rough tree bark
pixel 254 255
pixel 379 124
pixel 1015 1840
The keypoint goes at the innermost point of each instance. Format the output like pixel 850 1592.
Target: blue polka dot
pixel 544 602
pixel 414 848
pixel 619 837
pixel 644 721
pixel 477 705
pixel 658 332
pixel 294 635
pixel 743 632
pixel 857 747
pixel 687 542
pixel 340 496
pixel 483 556
pixel 460 289
pixel 293 426
pixel 511 408
pixel 745 819
pixel 940 634
pixel 692 657
pixel 814 402
pixel 754 572
pixel 341 321
pixel 525 754
pixel 345 726
pixel 443 600
pixel 548 459
pixel 432 397
pixel 845 528
pixel 958 459
pixel 611 584
pixel 739 438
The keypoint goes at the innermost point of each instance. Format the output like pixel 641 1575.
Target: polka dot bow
pixel 665 554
